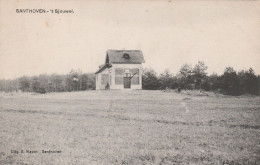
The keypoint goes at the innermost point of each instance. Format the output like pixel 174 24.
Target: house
pixel 122 70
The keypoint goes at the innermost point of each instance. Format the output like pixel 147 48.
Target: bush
pixel 150 80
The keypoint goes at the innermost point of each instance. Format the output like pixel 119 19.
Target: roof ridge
pixel 122 50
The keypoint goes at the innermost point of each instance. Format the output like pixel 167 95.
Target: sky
pixel 169 33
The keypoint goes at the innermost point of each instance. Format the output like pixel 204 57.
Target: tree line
pixel 230 82
pixel 75 80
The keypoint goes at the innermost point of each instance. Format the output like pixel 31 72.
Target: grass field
pixel 129 127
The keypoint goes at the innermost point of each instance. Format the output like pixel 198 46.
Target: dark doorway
pixel 127 82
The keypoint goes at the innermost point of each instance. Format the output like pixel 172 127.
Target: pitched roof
pixel 121 56
pixel 124 56
pixel 102 67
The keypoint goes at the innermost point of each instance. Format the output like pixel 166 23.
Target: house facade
pixel 122 70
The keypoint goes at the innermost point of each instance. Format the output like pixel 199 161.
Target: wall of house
pixel 110 72
pixel 100 81
pixel 113 84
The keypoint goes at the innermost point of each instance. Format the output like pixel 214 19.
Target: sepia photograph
pixel 120 82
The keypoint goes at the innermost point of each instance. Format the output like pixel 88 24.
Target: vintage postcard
pixel 129 82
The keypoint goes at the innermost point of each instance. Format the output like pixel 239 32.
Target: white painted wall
pixel 126 66
pixel 111 71
pixel 98 79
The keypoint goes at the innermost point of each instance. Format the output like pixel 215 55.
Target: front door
pixel 127 82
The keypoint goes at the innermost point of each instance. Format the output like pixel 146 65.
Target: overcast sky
pixel 224 33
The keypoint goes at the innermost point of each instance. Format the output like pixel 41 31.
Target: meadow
pixel 129 127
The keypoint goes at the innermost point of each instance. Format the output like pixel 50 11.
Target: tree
pixel 8 85
pixel 248 82
pixel 72 83
pixel 57 83
pixel 200 74
pixel 200 68
pixel 230 81
pixel 24 84
pixel 186 76
pixel 150 80
pixel 186 70
pixel 167 80
pixel 212 81
pixel 90 81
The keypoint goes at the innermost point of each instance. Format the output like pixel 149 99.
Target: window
pixel 135 71
pixel 104 79
pixel 126 56
pixel 119 73
pixel 135 78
